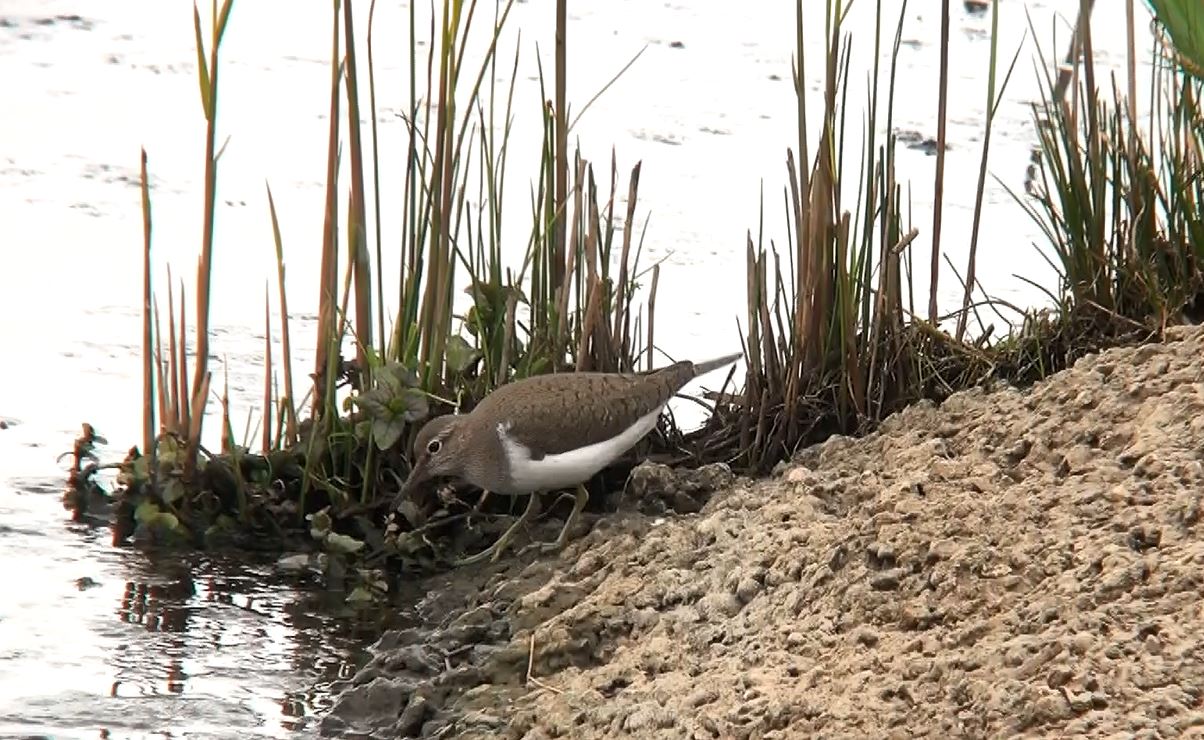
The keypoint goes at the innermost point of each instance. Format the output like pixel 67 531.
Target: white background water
pixel 708 108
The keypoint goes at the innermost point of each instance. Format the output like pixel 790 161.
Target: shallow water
pixel 222 648
pixel 97 641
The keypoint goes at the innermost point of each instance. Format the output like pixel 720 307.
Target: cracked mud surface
pixel 1009 563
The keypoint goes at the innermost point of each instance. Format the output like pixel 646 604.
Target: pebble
pixel 1059 677
pixel 747 589
pixel 888 581
pixel 799 475
pixel 1052 707
pixel 699 697
pixel 1081 643
pixel 719 604
pixel 1080 702
pixel 866 636
pixel 413 716
pixel 293 563
pixel 380 697
pixel 649 716
pixel 1153 645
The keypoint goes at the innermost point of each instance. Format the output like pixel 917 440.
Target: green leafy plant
pixel 1183 22
pixel 394 402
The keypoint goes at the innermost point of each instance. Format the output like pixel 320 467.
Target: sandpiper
pixel 547 433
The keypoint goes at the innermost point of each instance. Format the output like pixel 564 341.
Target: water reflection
pixel 109 642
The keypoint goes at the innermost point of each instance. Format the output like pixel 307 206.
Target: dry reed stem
pixel 801 175
pixel 209 92
pixel 227 430
pixel 328 277
pixel 562 140
pixel 852 366
pixel 904 243
pixel 531 679
pixel 196 414
pixel 1094 141
pixel 507 337
pixel 148 374
pixel 562 303
pixel 182 397
pixel 939 187
pixel 972 261
pixel 593 239
pixel 437 300
pixel 267 367
pixel 1070 64
pixel 755 368
pixel 592 312
pixel 802 308
pixel 288 403
pixel 620 332
pixel 656 277
pixel 172 419
pixel 773 367
pixel 161 395
pixel 380 285
pixel 356 216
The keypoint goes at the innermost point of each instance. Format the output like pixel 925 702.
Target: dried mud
pixel 1009 563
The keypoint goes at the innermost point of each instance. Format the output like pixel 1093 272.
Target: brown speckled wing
pixel 551 414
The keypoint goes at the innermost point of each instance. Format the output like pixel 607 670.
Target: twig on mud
pixel 531 665
pixel 438 523
pixel 1122 319
pixel 449 654
pixel 694 399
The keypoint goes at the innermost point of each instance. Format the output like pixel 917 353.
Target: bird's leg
pixel 580 499
pixel 495 550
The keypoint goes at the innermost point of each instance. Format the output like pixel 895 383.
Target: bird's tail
pixel 701 368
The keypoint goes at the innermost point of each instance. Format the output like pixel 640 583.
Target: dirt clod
pixel 659 489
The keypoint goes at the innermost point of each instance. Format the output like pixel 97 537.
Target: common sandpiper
pixel 547 433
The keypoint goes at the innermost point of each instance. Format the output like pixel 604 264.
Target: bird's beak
pixel 416 477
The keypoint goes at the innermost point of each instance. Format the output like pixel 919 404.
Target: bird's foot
pixel 494 551
pixel 580 499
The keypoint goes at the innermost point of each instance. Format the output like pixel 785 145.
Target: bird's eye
pixel 433 447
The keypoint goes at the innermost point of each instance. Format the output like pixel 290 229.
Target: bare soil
pixel 1010 563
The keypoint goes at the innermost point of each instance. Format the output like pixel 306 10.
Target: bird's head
pixel 437 452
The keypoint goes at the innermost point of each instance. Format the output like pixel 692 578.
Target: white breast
pixel 567 469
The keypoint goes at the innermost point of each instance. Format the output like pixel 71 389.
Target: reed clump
pixel 1118 195
pixel 327 476
pixel 834 342
pixel 832 337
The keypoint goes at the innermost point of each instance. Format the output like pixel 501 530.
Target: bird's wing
pixel 601 408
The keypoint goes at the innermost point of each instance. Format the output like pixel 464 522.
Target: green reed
pixel 833 342
pixel 208 77
pixel 1118 199
pixel 560 307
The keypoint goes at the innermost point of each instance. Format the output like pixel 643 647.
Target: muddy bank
pixel 1010 562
